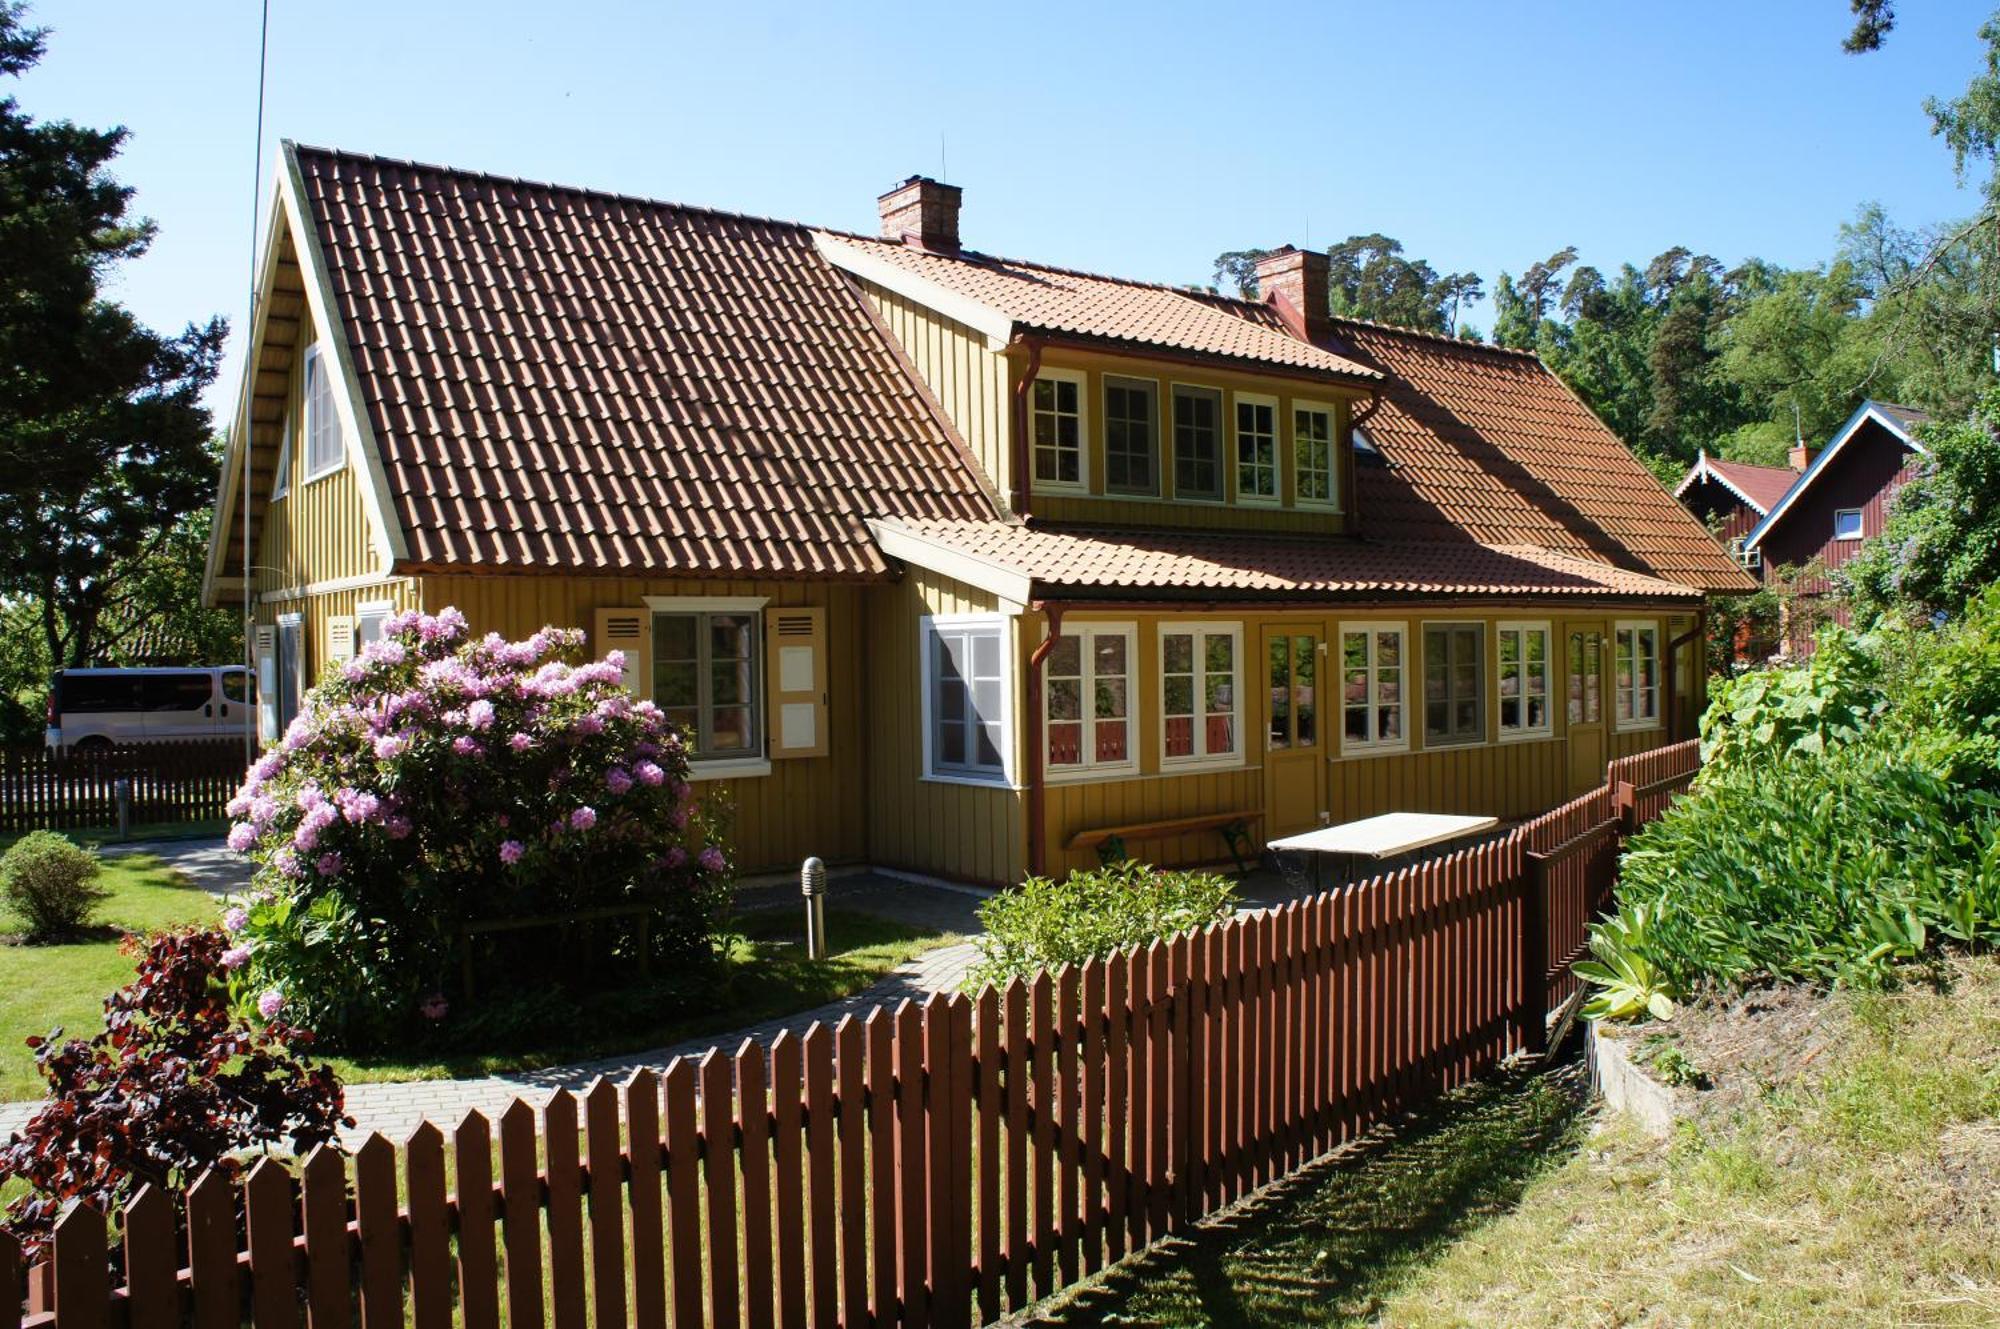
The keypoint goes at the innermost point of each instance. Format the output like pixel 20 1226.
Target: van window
pixel 96 694
pixel 176 692
pixel 236 685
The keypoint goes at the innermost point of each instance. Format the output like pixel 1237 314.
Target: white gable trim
pixel 996 326
pixel 373 480
pixel 1868 410
pixel 1701 470
pixel 899 541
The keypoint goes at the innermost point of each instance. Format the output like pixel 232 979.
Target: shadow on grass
pixel 1328 1245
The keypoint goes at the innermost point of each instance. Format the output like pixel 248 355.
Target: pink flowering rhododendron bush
pixel 436 782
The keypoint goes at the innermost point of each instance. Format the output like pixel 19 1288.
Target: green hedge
pixel 1046 924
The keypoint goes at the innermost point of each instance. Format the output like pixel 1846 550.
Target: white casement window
pixel 1201 693
pixel 1315 459
pixel 282 484
pixel 1847 524
pixel 965 698
pixel 1524 681
pixel 1371 683
pixel 1256 448
pixel 325 450
pixel 1197 442
pixel 1454 683
pixel 369 616
pixel 706 667
pixel 1131 436
pixel 1056 425
pixel 1087 696
pixel 1636 679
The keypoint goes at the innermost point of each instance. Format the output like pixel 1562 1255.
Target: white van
pixel 99 708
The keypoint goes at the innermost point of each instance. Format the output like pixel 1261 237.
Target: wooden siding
pixel 1509 779
pixel 807 805
pixel 1866 474
pixel 320 531
pixel 966 376
pixel 964 831
pixel 314 610
pixel 1720 510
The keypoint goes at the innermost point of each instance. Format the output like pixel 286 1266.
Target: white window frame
pixel 1351 747
pixel 1519 629
pixel 735 765
pixel 1332 502
pixel 379 610
pixel 1223 459
pixel 1630 695
pixel 1272 404
pixel 315 358
pixel 1482 691
pixel 1081 485
pixel 927 638
pixel 1090 768
pixel 1104 386
pixel 281 484
pixel 1201 757
pixel 1859 526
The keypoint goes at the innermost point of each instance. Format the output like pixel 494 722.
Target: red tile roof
pixel 1058 560
pixel 1760 486
pixel 1110 309
pixel 568 380
pixel 1487 445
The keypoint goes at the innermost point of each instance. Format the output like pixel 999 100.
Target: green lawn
pixel 42 987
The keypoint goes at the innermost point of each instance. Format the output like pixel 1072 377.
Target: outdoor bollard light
pixel 121 793
pixel 812 885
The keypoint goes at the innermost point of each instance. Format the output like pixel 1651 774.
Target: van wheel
pixel 95 743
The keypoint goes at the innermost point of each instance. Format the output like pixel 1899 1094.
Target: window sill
pixel 733 768
pixel 1060 489
pixel 1351 751
pixel 1090 774
pixel 1527 735
pixel 1636 726
pixel 1198 765
pixel 994 782
pixel 321 475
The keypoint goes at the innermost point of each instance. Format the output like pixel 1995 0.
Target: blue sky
pixel 1139 140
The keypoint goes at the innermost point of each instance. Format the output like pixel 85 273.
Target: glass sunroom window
pixel 1199 692
pixel 1635 698
pixel 1087 692
pixel 1372 701
pixel 967 667
pixel 1524 680
pixel 1454 683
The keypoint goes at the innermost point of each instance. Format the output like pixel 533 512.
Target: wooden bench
pixel 1109 841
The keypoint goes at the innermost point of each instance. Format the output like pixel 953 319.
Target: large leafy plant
pixel 1628 984
pixel 1045 923
pixel 1808 710
pixel 176 1083
pixel 437 782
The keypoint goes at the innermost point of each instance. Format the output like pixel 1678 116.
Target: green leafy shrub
pixel 436 782
pixel 1629 986
pixel 1825 870
pixel 51 885
pixel 1770 713
pixel 1045 924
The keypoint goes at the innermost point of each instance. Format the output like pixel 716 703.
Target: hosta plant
pixel 437 782
pixel 1629 987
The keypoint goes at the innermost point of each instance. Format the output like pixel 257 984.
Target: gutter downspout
pixel 1037 853
pixel 1697 633
pixel 1020 500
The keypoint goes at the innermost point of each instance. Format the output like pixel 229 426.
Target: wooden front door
pixel 1294 745
pixel 1584 651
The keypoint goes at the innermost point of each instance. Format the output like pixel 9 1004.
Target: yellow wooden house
pixel 949 563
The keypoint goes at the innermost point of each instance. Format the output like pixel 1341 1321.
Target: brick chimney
pixel 923 211
pixel 1294 282
pixel 1802 457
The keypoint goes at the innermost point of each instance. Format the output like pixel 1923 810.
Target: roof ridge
pixel 1423 334
pixel 584 191
pixel 1752 465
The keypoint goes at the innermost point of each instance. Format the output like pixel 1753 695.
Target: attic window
pixel 282 485
pixel 1363 443
pixel 1847 524
pixel 325 452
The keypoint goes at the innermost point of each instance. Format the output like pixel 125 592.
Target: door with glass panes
pixel 1294 747
pixel 1583 703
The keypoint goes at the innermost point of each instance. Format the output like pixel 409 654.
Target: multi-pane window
pixel 1199 691
pixel 967 679
pixel 1294 692
pixel 1371 662
pixel 1524 679
pixel 324 452
pixel 705 679
pixel 1636 688
pixel 1256 448
pixel 1197 443
pixel 1586 699
pixel 1056 419
pixel 1454 683
pixel 1087 690
pixel 1313 451
pixel 1131 436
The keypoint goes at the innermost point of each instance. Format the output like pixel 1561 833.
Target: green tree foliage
pixel 104 443
pixel 1371 278
pixel 1872 21
pixel 1940 547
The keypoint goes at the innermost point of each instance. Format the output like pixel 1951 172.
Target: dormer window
pixel 1131 436
pixel 1316 459
pixel 325 451
pixel 1256 449
pixel 1057 425
pixel 1197 443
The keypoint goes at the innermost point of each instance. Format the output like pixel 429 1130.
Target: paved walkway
pixel 209 864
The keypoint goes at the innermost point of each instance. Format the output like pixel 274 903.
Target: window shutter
pixel 795 675
pixel 339 638
pixel 267 683
pixel 629 631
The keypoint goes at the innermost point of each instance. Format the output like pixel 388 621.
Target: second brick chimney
pixel 1802 457
pixel 921 210
pixel 1294 282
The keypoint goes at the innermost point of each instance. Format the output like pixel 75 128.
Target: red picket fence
pixel 942 1164
pixel 1643 784
pixel 45 789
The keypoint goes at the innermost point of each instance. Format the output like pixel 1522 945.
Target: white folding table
pixel 1388 836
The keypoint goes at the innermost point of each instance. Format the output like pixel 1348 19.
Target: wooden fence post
pixel 1532 1009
